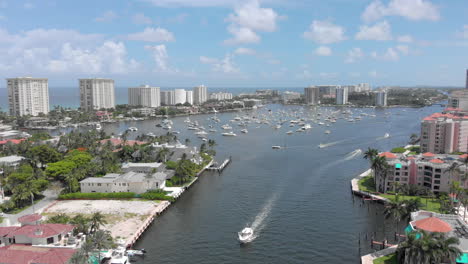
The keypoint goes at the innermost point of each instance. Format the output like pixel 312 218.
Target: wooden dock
pixel 221 167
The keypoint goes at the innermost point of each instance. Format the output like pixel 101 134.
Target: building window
pixel 437 176
pixel 50 240
pixel 98 184
pixel 437 182
pixel 436 187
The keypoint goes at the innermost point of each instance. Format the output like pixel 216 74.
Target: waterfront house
pixel 11 161
pixel 26 254
pixel 128 182
pixel 142 167
pixel 427 170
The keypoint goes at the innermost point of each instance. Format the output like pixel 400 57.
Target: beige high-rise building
pixel 167 97
pixel 444 133
pixel 312 95
pixel 200 94
pixel 28 96
pixel 96 93
pixel 144 96
pixel 189 97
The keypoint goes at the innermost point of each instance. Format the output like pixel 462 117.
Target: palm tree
pixel 162 154
pixel 395 209
pixel 97 219
pixel 380 167
pixel 78 258
pixel 101 240
pixel 81 224
pixel 370 155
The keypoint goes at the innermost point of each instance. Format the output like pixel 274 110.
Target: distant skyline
pixel 236 43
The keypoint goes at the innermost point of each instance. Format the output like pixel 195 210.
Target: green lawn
pixel 1 219
pixel 367 184
pixel 389 259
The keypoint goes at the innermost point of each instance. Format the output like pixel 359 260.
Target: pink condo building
pixel 445 132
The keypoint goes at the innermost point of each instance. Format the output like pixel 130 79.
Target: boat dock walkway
pixel 369 258
pixel 221 167
pixel 161 207
pixel 355 189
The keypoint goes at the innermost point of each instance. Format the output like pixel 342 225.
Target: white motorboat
pixel 132 129
pixel 226 127
pixel 327 131
pixel 276 147
pixel 119 257
pixel 229 134
pixel 136 252
pixel 307 126
pixel 290 132
pixel 167 127
pixel 212 130
pixel 201 133
pixel 387 135
pixel 246 235
pixel 98 126
pixel 245 131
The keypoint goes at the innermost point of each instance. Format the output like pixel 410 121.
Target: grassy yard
pixel 389 259
pixel 367 184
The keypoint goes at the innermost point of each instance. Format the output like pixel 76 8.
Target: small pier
pixel 365 195
pixel 221 167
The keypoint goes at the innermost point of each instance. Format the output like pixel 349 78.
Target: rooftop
pixel 25 254
pixel 30 218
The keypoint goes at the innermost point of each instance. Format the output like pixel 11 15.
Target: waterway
pixel 297 199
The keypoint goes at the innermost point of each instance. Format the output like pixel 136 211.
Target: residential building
pixel 341 95
pixel 427 170
pixel 96 94
pixel 252 103
pixel 267 92
pixel 381 98
pixel 352 88
pixel 26 254
pixel 145 96
pixel 200 94
pixel 28 96
pixel 144 111
pixel 448 224
pixel 221 96
pixel 180 96
pixel 466 83
pixel 327 91
pixel 364 87
pixel 289 96
pixel 189 97
pixel 444 133
pixel 11 161
pixel 167 98
pixel 142 167
pixel 312 95
pixel 459 100
pixel 128 182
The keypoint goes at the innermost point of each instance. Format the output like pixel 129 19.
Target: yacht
pixel 119 257
pixel 226 127
pixel 167 127
pixel 327 131
pixel 246 235
pixel 307 126
pixel 387 135
pixel 276 147
pixel 201 133
pixel 132 129
pixel 290 132
pixel 245 131
pixel 136 252
pixel 237 118
pixel 229 134
pixel 98 126
pixel 212 130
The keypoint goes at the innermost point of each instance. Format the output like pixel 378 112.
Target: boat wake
pixel 259 222
pixel 387 135
pixel 326 145
pixel 353 154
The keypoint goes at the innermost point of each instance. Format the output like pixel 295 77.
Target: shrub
pixel 154 195
pixel 97 196
pixel 171 165
pixel 398 150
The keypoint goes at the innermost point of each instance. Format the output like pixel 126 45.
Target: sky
pixel 236 43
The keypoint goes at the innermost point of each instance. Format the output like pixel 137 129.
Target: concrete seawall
pixel 355 188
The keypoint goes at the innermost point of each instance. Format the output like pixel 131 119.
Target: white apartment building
pixel 96 94
pixel 200 94
pixel 180 96
pixel 459 100
pixel 145 96
pixel 312 95
pixel 28 96
pixel 189 97
pixel 289 96
pixel 341 95
pixel 167 97
pixel 381 98
pixel 221 96
pixel 363 87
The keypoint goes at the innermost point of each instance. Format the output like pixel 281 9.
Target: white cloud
pixel 323 51
pixel 354 55
pixel 405 39
pixel 194 3
pixel 249 18
pixel 244 51
pixel 404 49
pixel 241 35
pixel 153 35
pixel 224 65
pixel 410 9
pixel 46 51
pixel 373 74
pixel 107 16
pixel 380 31
pixel 324 32
pixel 140 19
pixel 390 54
pixel 161 58
pixel 464 32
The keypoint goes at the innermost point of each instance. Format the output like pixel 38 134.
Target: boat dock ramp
pixel 221 167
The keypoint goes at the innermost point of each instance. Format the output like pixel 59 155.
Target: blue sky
pixel 236 43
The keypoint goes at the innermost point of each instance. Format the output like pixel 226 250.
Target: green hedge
pixel 156 196
pixel 97 196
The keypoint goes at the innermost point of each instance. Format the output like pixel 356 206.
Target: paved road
pixel 49 197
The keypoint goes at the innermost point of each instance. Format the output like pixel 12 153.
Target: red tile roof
pixel 429 154
pixel 118 141
pixel 464 156
pixel 436 161
pixel 388 155
pixel 48 230
pixel 29 218
pixel 7 230
pixel 14 141
pixel 24 254
pixel 433 224
pixel 435 116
